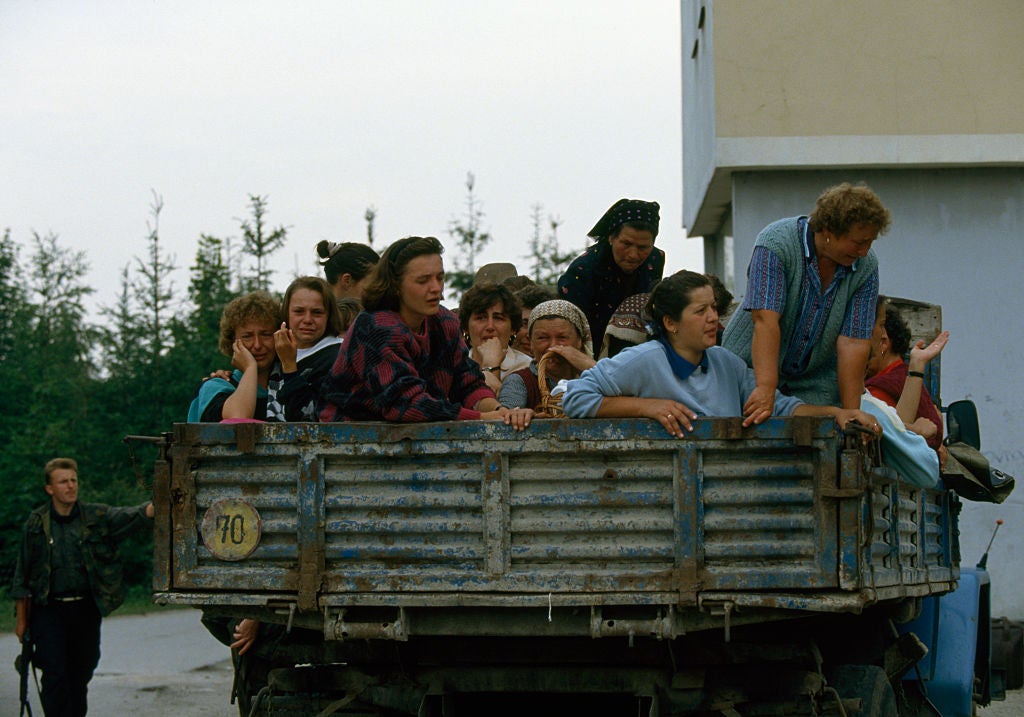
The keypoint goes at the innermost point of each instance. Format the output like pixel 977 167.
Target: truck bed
pixel 320 520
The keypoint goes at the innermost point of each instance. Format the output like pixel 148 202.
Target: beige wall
pixel 804 68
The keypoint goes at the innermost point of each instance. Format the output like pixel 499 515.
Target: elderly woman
pixel 559 329
pixel 529 297
pixel 899 384
pixel 403 358
pixel 247 329
pixel 806 322
pixel 681 374
pixel 347 267
pixel 490 316
pixel 623 262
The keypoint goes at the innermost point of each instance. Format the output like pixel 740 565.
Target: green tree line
pixel 76 387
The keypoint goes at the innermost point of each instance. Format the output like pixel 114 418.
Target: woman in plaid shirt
pixel 404 358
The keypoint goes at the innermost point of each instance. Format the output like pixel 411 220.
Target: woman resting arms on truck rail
pixel 805 324
pixel 403 358
pixel 682 374
pixel 490 316
pixel 559 328
pixel 891 379
pixel 307 347
pixel 247 328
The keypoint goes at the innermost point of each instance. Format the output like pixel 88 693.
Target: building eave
pixel 767 154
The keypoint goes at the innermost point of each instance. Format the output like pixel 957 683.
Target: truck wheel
pixel 869 685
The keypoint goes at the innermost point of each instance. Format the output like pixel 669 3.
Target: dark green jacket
pixel 102 529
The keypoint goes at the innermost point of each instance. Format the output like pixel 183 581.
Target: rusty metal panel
pixel 404 522
pixel 270 484
pixel 497 522
pixel 513 521
pixel 939 535
pixel 310 530
pixel 597 515
pixel 567 513
pixel 882 560
pixel 162 526
pixel 764 526
pixel 911 533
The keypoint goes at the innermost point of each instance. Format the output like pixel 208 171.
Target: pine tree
pixel 195 351
pixel 371 217
pixel 547 260
pixel 469 238
pixel 259 241
pixel 123 333
pixel 12 295
pixel 20 492
pixel 153 291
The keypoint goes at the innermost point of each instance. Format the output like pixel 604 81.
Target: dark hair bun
pixel 323 249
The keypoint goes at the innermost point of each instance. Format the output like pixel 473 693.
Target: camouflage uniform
pixel 70 569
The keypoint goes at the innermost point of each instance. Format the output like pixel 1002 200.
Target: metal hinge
pixel 723 609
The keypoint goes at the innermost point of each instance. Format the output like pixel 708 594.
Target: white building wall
pixel 957 240
pixel 699 146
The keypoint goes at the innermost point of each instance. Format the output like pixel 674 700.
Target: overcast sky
pixel 327 108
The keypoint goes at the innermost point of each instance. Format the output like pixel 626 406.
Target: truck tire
pixel 868 684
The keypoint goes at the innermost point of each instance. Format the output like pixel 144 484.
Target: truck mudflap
pixel 317 522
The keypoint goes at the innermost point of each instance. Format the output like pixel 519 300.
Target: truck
pixel 595 565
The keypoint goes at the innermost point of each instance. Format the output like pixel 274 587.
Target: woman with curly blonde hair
pixel 812 285
pixel 247 329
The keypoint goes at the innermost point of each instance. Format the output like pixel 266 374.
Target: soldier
pixel 68 576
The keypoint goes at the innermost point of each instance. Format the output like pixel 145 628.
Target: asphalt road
pixel 1012 707
pixel 163 664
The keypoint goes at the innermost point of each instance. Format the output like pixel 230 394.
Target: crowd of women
pixel 373 342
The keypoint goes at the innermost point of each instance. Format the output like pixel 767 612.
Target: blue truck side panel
pixel 784 515
pixel 949 626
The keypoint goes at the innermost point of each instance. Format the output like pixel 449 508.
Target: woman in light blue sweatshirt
pixel 681 374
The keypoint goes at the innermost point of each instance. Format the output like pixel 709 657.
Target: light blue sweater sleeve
pixel 625 374
pixel 643 371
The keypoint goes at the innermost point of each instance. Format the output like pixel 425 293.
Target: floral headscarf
pixel 622 212
pixel 557 308
pixel 630 322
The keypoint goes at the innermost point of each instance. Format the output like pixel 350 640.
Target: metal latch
pixel 721 608
pixel 339 629
pixel 661 627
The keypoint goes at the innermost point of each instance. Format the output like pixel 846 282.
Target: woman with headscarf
pixel 622 262
pixel 628 326
pixel 559 329
pixel 812 284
